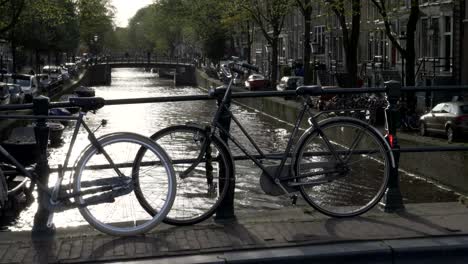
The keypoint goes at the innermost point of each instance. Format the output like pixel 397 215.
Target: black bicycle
pixel 104 177
pixel 340 165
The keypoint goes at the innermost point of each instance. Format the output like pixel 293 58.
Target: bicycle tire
pixel 347 195
pixel 109 215
pixel 196 199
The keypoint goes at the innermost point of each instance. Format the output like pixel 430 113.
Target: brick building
pixel 439 42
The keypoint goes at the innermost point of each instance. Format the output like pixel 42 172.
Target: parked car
pixel 449 118
pixel 72 68
pixel 290 83
pixel 256 82
pixel 28 83
pixel 4 94
pixel 65 75
pixel 54 73
pixel 16 93
pixel 44 81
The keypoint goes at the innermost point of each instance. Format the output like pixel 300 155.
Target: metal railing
pixel 432 67
pixel 152 59
pixel 392 200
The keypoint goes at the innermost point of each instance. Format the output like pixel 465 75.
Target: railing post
pixel 41 130
pixel 392 200
pixel 225 210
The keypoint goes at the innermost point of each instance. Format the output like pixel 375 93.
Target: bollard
pixel 392 200
pixel 225 210
pixel 41 130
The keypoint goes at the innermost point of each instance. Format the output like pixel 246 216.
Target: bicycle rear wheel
pixel 363 178
pixel 201 184
pixel 107 200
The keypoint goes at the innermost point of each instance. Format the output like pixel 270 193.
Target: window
pixel 437 108
pixel 464 109
pixel 435 37
pixel 319 39
pixel 446 108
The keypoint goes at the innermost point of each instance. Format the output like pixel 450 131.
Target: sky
pixel 125 9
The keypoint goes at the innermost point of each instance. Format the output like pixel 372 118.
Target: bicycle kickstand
pixel 50 220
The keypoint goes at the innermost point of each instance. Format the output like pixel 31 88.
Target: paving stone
pixel 3 250
pixel 181 240
pixel 76 248
pixel 129 246
pixel 192 240
pixel 159 244
pixel 87 249
pixel 119 248
pixel 230 236
pixel 140 246
pixel 10 254
pixel 65 250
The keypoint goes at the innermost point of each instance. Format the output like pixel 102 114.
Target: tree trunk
pixel 249 45
pixel 13 54
pixel 411 54
pixel 274 62
pixel 307 49
pixel 38 63
pixel 351 66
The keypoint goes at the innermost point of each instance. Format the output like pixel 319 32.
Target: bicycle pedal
pixel 294 199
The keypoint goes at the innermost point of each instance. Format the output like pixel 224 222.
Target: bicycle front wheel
pixel 350 187
pixel 106 196
pixel 202 178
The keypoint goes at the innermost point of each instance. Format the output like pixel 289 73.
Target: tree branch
pixel 381 8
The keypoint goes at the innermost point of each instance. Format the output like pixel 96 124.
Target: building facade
pixel 439 42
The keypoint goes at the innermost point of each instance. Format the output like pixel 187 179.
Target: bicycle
pixel 104 176
pixel 324 164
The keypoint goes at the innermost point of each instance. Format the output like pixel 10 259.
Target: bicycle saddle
pixel 88 103
pixel 309 90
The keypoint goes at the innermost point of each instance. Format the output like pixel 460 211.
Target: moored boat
pixel 84 91
pixel 21 144
pixel 60 112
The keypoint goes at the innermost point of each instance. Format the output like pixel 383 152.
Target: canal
pixel 146 119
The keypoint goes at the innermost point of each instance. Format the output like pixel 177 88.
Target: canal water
pixel 270 134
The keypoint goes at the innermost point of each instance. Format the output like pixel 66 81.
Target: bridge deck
pixel 434 229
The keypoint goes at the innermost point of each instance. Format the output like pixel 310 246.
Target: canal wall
pixel 449 169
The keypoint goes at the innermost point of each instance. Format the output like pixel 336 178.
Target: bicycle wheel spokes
pixel 356 185
pixel 117 210
pixel 201 177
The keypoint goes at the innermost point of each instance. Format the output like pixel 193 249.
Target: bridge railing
pixel 151 59
pixel 392 200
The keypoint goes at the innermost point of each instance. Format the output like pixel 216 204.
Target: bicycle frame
pixel 55 200
pixel 222 107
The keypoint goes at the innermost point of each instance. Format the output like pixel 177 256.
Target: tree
pixel 96 25
pixel 305 6
pixel 269 16
pixel 409 52
pixel 10 11
pixel 343 9
pixel 47 25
